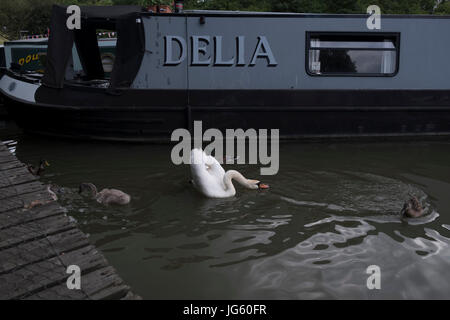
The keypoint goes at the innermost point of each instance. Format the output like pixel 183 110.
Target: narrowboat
pixel 308 75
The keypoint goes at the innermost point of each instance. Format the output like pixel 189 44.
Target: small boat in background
pixel 30 54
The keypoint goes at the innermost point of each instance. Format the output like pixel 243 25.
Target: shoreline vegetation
pixel 17 16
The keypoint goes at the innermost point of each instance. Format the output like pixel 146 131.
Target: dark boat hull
pixel 152 115
pixel 142 123
pixel 3 112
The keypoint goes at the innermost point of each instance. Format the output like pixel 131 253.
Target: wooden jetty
pixel 38 241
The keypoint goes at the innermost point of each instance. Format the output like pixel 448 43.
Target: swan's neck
pixel 233 174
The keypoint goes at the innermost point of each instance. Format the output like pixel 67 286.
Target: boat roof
pixel 107 12
pixel 294 14
pixel 43 41
pixel 27 41
pixel 115 11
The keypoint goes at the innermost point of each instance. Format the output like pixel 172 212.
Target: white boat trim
pixel 17 88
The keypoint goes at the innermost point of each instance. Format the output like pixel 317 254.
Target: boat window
pixel 341 54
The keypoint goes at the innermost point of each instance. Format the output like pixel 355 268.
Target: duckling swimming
pixel 412 208
pixel 106 196
pixel 40 169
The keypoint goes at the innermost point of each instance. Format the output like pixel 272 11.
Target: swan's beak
pixel 46 163
pixel 263 186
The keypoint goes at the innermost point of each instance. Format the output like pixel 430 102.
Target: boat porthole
pixel 12 86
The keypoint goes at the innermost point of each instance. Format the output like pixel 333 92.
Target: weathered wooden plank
pixel 15 180
pixel 32 252
pixel 25 254
pixel 97 285
pixel 14 171
pixel 87 258
pixel 131 296
pixel 20 216
pixel 34 230
pixel 36 277
pixel 7 160
pixel 104 284
pixel 31 279
pixel 11 165
pixel 11 191
pixel 4 151
pixel 25 201
pixel 67 241
pixel 58 292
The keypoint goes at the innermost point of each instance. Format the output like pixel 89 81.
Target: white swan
pixel 210 179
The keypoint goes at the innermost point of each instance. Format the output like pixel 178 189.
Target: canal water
pixel 331 212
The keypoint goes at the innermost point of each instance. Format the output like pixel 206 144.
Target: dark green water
pixel 332 211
